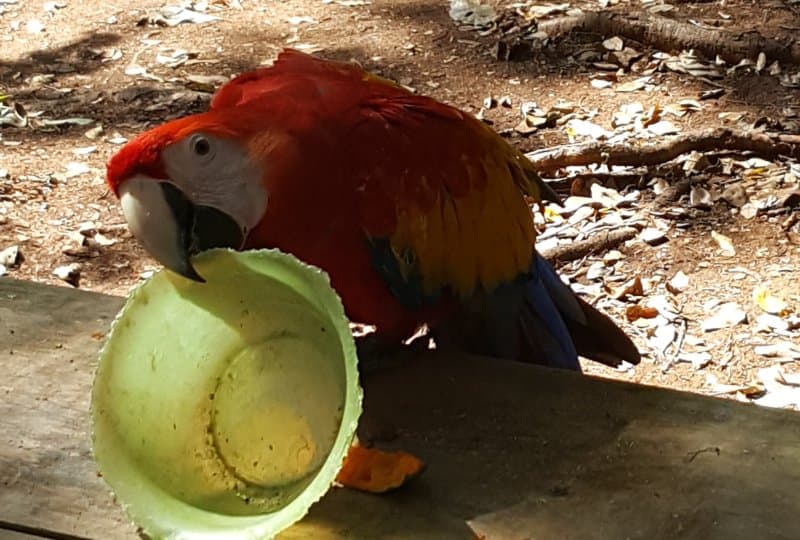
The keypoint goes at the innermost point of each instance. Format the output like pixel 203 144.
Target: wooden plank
pixel 49 344
pixel 6 534
pixel 513 451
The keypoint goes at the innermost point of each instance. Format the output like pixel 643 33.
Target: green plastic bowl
pixel 225 409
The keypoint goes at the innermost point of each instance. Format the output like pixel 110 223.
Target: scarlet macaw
pixel 415 209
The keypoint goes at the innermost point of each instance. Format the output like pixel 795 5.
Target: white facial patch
pixel 217 172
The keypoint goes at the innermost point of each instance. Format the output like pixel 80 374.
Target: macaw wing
pixel 441 195
pixel 442 199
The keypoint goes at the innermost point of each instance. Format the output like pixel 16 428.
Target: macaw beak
pixel 171 227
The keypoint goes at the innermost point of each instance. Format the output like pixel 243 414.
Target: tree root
pixel 672 36
pixel 765 145
pixel 582 248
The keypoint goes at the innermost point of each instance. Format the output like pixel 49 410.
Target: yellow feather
pixel 432 252
pixel 461 257
pixel 495 256
pixel 480 239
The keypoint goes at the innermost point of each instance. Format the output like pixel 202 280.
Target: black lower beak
pixel 201 228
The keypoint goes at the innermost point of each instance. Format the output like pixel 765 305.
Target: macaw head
pixel 190 185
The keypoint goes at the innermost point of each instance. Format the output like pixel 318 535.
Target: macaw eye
pixel 201 146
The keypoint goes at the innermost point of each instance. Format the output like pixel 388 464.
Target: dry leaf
pixel 769 323
pixel 769 303
pixel 659 185
pixel 652 236
pixel 633 287
pixel 664 127
pixel 666 307
pixel 663 337
pixel 584 128
pixel 596 271
pixel 376 471
pixel 601 83
pixel 699 359
pixel 637 311
pixel 718 388
pixel 612 257
pixel 724 316
pixel 700 197
pixel 633 86
pixel 783 351
pixel 472 13
pixel 678 283
pixel 608 197
pixel 724 243
pixel 782 389
pixel 75 168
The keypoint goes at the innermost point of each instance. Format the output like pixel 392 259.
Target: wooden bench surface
pixel 513 451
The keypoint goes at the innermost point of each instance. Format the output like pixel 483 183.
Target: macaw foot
pixel 377 354
pixel 377 471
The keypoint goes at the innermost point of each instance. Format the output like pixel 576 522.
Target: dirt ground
pixel 111 64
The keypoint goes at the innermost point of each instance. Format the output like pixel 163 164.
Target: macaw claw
pixel 378 471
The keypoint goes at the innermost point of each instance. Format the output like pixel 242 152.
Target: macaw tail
pixel 557 326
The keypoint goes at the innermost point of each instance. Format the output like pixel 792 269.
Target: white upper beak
pixel 153 221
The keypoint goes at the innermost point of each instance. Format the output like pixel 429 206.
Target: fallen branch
pixel 581 184
pixel 582 248
pixel 672 36
pixel 765 145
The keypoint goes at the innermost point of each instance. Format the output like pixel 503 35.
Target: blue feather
pixel 549 300
pixel 406 287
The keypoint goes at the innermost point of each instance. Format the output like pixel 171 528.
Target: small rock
pixel 11 256
pixel 748 210
pixel 613 257
pixel 613 44
pixel 735 195
pixel 71 273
